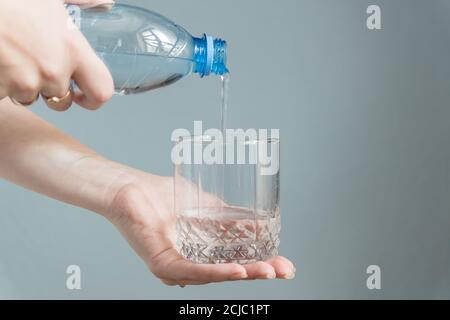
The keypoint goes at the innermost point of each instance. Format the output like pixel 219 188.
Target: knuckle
pixel 102 95
pixel 27 84
pixel 52 72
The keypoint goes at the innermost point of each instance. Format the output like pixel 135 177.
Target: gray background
pixel 365 128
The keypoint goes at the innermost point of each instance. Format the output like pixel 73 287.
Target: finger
pixel 90 3
pixel 260 270
pixel 58 89
pixel 169 282
pixel 182 283
pixel 91 76
pixel 24 88
pixel 24 99
pixel 284 268
pixel 79 2
pixel 191 273
pixel 183 271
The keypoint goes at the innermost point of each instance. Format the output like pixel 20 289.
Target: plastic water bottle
pixel 144 50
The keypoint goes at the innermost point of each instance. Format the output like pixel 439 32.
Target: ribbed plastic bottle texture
pixel 144 50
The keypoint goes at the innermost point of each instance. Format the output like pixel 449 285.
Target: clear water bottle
pixel 144 50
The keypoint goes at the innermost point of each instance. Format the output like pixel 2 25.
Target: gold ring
pixel 23 104
pixel 58 100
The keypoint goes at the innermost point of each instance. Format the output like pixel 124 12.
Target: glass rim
pixel 202 139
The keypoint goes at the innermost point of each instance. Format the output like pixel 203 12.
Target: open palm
pixel 144 214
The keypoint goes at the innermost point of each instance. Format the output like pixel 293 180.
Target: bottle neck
pixel 210 56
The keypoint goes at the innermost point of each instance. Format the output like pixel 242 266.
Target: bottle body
pixel 142 49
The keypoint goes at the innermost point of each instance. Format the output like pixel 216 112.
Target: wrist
pixel 118 188
pixel 100 180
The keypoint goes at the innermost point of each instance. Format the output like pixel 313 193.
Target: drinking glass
pixel 227 195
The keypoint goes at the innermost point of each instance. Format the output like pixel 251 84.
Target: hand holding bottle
pixel 42 51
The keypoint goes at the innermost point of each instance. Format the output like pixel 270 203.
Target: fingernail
pixel 270 275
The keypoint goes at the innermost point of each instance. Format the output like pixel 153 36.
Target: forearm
pixel 39 157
